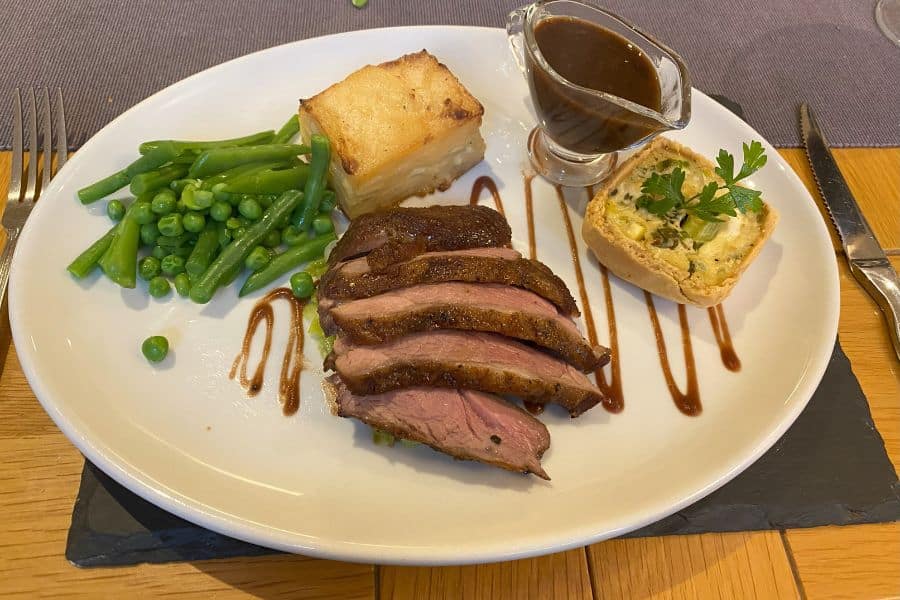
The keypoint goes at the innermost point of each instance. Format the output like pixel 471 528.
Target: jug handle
pixel 515 31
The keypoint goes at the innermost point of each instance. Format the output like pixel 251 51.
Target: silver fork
pixel 18 202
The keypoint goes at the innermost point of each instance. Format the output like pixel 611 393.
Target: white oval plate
pixel 188 439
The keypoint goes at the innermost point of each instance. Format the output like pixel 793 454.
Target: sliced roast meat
pixel 431 228
pixel 354 279
pixel 465 424
pixel 495 308
pixel 463 359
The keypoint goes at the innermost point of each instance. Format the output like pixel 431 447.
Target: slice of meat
pixel 463 359
pixel 354 279
pixel 440 227
pixel 465 424
pixel 495 308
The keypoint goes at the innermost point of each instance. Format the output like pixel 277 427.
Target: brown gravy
pixel 593 57
pixel 291 363
pixel 723 338
pixel 486 183
pixel 687 402
pixel 613 399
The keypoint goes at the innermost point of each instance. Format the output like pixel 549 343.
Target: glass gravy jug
pixel 581 129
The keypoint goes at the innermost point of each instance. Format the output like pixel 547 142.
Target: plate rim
pixel 190 509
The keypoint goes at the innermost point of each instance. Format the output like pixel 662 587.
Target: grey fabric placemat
pixel 830 468
pixel 109 54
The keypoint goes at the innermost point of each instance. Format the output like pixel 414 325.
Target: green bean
pixel 315 183
pixel 174 241
pixel 260 137
pixel 287 261
pixel 233 255
pixel 291 236
pixel 119 262
pixel 217 160
pixel 270 181
pixel 239 171
pixel 287 131
pixel 154 159
pixel 203 252
pixel 328 202
pixel 155 348
pixel 224 235
pixel 104 187
pixel 85 263
pixel 153 180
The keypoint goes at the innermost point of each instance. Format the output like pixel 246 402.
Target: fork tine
pixel 14 191
pixel 32 148
pixel 62 148
pixel 46 140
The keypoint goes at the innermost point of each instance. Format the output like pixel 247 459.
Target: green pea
pixel 220 211
pixel 182 285
pixel 148 268
pixel 196 199
pixel 193 222
pixel 291 236
pixel 171 225
pixel 164 202
pixel 323 224
pixel 179 184
pixel 302 285
pixel 266 200
pixel 238 233
pixel 155 348
pixel 115 210
pixel 250 209
pixel 258 258
pixel 143 212
pixel 172 265
pixel 159 286
pixel 149 234
pixel 328 202
pixel 272 239
pixel 234 223
pixel 159 252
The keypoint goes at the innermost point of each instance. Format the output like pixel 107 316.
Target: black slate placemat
pixel 830 468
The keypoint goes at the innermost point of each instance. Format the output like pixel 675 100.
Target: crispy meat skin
pixel 463 359
pixel 440 227
pixel 465 424
pixel 502 309
pixel 497 265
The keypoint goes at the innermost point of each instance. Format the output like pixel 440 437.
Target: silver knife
pixel 868 262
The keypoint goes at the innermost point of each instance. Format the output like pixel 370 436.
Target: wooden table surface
pixel 40 471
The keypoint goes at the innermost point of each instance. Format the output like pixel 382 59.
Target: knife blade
pixel 866 258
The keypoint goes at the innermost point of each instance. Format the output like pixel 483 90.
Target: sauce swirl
pixel 723 338
pixel 291 363
pixel 485 182
pixel 688 401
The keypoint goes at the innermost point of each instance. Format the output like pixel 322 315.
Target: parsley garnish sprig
pixel 662 194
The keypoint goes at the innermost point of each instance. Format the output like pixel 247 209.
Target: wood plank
pixel 562 575
pixel 873 175
pixel 858 562
pixel 727 565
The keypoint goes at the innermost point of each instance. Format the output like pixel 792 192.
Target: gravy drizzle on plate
pixel 291 364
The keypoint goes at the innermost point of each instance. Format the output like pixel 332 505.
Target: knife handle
pixel 878 277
